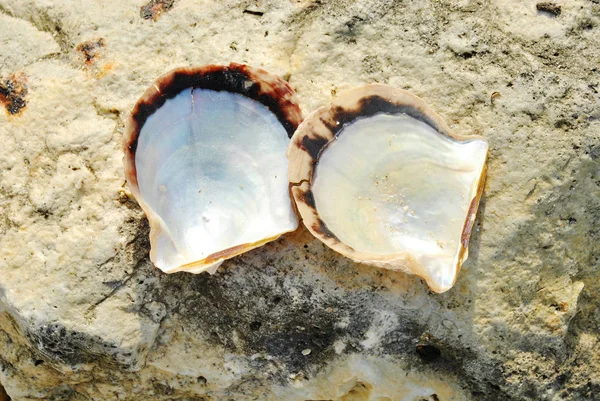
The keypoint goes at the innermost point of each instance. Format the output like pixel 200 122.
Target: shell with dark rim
pixel 380 178
pixel 205 159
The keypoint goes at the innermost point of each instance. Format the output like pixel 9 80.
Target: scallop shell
pixel 205 159
pixel 380 178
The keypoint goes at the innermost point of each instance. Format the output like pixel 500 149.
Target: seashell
pixel 205 159
pixel 380 178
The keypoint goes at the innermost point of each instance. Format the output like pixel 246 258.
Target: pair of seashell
pixel 378 176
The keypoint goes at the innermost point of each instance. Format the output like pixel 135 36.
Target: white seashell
pixel 380 178
pixel 205 159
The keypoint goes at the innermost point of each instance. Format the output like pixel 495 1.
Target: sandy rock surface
pixel 85 316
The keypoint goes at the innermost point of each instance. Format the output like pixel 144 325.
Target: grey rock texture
pixel 85 316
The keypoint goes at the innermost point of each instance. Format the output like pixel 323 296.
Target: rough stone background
pixel 85 316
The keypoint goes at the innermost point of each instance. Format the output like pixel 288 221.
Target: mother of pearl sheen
pixel 211 165
pixel 391 183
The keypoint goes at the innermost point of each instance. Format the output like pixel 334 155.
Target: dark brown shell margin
pixel 324 124
pixel 254 83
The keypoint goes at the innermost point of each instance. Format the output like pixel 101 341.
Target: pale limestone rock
pixel 22 44
pixel 84 315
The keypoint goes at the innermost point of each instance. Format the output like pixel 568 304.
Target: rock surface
pixel 85 316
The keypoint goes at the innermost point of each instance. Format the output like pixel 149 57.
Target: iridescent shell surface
pixel 380 178
pixel 205 159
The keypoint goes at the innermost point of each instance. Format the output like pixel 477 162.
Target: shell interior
pixel 391 183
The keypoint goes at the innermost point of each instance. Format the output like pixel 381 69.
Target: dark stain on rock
pixel 549 7
pixel 90 49
pixel 13 93
pixel 593 151
pixel 162 388
pixel 112 284
pixel 350 29
pixel 56 343
pixel 267 320
pixel 154 9
pixel 445 355
pixel 42 211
